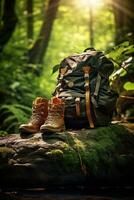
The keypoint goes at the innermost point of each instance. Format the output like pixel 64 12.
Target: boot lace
pixel 55 112
pixel 36 114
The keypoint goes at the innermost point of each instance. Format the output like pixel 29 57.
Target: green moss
pixel 64 145
pixel 56 153
pixel 69 139
pixel 79 144
pixel 3 133
pixel 70 160
pixel 97 150
pixel 101 152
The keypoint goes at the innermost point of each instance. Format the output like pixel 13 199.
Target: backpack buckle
pixel 86 86
pixel 70 84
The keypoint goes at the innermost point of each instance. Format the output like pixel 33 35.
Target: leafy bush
pixel 123 58
pixel 3 133
pixel 12 115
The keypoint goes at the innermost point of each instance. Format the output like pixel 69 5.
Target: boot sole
pixel 51 130
pixel 24 131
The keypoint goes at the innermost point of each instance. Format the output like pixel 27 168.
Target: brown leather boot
pixel 55 119
pixel 39 115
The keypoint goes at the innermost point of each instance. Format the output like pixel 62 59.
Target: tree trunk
pixel 0 10
pixel 9 20
pixel 38 51
pixel 124 20
pixel 30 31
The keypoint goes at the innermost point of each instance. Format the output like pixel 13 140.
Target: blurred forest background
pixel 35 35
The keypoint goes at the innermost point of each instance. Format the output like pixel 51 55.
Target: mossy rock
pixel 102 156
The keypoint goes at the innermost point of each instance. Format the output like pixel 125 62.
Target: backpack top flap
pixel 94 59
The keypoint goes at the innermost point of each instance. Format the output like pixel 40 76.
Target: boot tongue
pixel 38 100
pixel 56 101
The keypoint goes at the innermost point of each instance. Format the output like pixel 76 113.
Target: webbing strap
pixel 98 81
pixel 87 70
pixel 77 106
pixel 61 75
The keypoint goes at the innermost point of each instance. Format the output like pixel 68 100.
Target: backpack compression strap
pixel 87 70
pixel 96 91
pixel 62 71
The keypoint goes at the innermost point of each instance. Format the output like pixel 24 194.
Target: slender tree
pixel 36 54
pixel 91 31
pixel 8 24
pixel 29 8
pixel 0 9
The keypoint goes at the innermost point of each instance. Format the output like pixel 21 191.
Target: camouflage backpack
pixel 83 82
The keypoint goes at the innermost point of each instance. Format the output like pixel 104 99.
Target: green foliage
pixel 122 57
pixel 120 53
pixel 3 133
pixel 129 86
pixel 21 82
pixel 55 68
pixel 12 115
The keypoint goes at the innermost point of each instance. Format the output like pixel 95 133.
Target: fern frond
pixel 26 108
pixel 14 115
pixel 4 112
pixel 12 126
pixel 9 120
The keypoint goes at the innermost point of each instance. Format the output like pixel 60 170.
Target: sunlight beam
pixel 92 3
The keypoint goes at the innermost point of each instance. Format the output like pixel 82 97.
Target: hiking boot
pixel 39 115
pixel 55 119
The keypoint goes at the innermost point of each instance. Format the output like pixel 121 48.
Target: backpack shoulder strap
pixel 96 91
pixel 97 86
pixel 87 70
